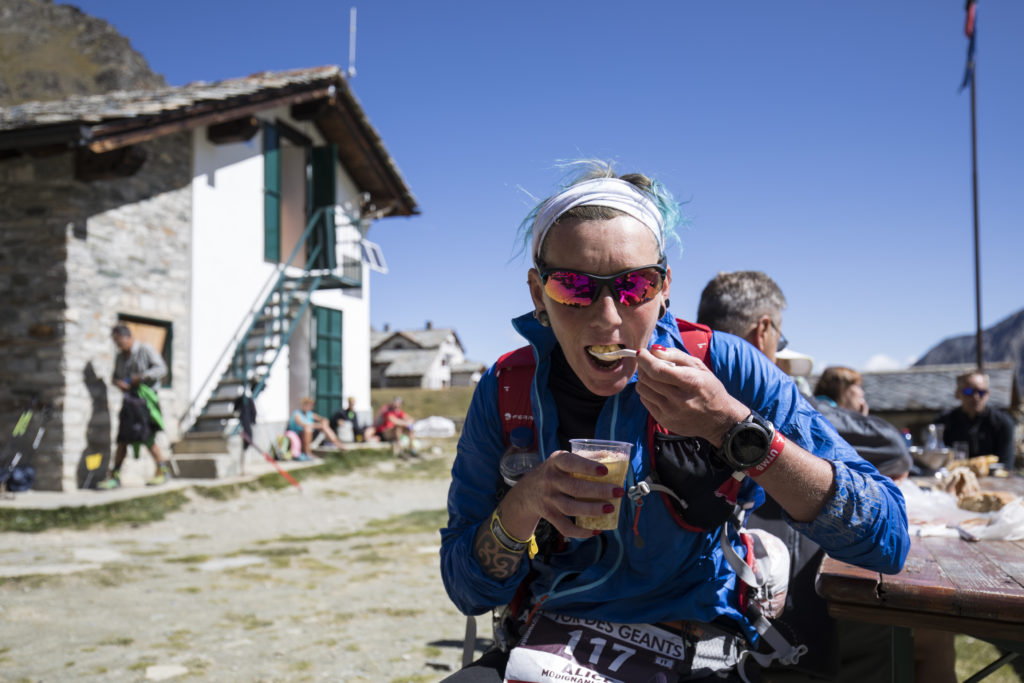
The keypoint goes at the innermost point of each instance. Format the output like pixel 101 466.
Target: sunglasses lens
pixel 638 286
pixel 631 288
pixel 569 288
pixel 971 391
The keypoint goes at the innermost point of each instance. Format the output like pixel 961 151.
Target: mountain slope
pixel 1004 341
pixel 50 51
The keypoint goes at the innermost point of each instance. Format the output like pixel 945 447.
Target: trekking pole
pixel 270 459
pixel 17 437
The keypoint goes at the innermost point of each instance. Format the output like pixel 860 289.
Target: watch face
pixel 749 446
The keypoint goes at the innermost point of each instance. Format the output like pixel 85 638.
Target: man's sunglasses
pixel 630 287
pixel 783 342
pixel 971 391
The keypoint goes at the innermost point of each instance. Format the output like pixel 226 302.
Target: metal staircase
pixel 208 427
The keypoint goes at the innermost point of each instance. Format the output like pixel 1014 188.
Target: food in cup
pixel 614 455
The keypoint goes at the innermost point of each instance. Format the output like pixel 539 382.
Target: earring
pixel 663 310
pixel 543 318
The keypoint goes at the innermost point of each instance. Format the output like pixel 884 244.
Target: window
pixel 373 256
pixel 157 333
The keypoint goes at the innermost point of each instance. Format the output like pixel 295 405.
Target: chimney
pixel 430 325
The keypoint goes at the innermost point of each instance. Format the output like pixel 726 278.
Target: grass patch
pixel 415 678
pixel 112 575
pixel 396 612
pixel 189 559
pixel 371 557
pixel 288 551
pixel 972 655
pixel 33 581
pixel 132 511
pixel 249 622
pixel 120 641
pixel 142 664
pixel 452 402
pixel 432 468
pixel 315 565
pixel 220 493
pixel 417 521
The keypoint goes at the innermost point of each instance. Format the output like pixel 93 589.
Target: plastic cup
pixel 960 450
pixel 615 456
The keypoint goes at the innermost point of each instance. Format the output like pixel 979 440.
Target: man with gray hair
pixel 749 304
pixel 746 303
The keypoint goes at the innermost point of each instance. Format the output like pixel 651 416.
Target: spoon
pixel 619 353
pixel 613 355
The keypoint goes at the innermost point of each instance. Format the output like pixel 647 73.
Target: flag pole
pixel 977 239
pixel 971 76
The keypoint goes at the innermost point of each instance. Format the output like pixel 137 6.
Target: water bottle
pixel 521 456
pixel 908 438
pixel 931 442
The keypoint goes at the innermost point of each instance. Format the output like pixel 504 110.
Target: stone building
pixel 226 223
pixel 431 358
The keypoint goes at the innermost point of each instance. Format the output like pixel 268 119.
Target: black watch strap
pixel 748 443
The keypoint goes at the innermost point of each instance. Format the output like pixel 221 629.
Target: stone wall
pixel 32 279
pixel 92 251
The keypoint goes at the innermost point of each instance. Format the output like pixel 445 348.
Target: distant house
pixel 913 398
pixel 226 223
pixel 431 358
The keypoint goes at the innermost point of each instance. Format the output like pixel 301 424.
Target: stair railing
pixel 273 283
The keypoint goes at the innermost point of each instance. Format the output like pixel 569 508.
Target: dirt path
pixel 337 583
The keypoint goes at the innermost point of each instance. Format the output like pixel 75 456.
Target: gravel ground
pixel 337 582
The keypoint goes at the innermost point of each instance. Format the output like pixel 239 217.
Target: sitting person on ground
pixel 395 426
pixel 306 424
pixel 986 430
pixel 351 415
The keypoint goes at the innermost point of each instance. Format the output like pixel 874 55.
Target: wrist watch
pixel 748 443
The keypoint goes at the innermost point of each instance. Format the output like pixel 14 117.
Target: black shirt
pixel 578 407
pixel 990 432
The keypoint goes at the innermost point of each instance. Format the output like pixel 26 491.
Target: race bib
pixel 562 649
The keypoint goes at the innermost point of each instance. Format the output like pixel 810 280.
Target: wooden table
pixel 975 588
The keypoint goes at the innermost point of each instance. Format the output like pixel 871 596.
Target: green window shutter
pixel 327 367
pixel 271 194
pixel 324 186
pixel 325 175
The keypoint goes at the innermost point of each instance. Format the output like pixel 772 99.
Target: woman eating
pixel 714 426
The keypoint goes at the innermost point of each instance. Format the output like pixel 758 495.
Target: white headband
pixel 611 192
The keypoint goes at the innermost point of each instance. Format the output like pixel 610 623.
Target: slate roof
pixel 932 387
pixel 405 362
pixel 426 339
pixel 101 123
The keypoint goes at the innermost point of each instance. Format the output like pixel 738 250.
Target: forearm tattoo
pixel 498 562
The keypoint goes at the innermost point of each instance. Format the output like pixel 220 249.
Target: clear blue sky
pixel 825 143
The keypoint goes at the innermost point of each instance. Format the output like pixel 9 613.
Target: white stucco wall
pixel 229 271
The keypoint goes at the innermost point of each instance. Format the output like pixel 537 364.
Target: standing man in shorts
pixel 138 369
